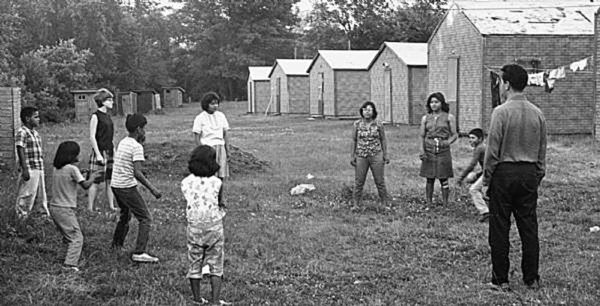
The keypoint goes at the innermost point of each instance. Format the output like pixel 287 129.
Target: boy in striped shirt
pixel 127 171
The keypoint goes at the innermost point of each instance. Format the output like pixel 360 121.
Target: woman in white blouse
pixel 210 128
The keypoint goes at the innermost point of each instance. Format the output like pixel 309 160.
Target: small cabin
pixel 172 96
pixel 84 103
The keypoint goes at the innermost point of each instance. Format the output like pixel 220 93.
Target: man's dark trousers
pixel 513 189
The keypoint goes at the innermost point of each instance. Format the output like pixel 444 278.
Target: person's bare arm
pixel 353 149
pixel 454 134
pixel 383 143
pixel 23 163
pixel 93 128
pixel 137 173
pixel 198 138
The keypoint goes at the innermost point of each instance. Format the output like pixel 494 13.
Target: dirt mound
pixel 172 158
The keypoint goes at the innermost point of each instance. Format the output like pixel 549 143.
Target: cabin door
pixel 277 107
pixel 387 95
pixel 452 92
pixel 321 89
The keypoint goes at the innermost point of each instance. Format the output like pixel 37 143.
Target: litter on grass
pixel 302 188
pixel 594 229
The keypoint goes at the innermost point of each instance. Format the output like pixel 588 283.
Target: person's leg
pixel 110 197
pixel 527 225
pixel 67 224
pixel 499 225
pixel 215 254
pixel 92 194
pixel 124 216
pixel 26 194
pixel 476 191
pixel 195 260
pixel 360 174
pixel 107 178
pixel 41 196
pixel 445 190
pixel 215 287
pixel 429 190
pixel 220 196
pixel 377 166
pixel 139 209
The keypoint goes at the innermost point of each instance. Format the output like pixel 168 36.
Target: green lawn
pixel 310 249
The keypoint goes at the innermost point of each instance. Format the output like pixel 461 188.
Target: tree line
pixel 48 47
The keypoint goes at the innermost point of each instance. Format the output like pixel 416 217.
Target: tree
pixel 51 72
pixel 224 37
pixel 416 22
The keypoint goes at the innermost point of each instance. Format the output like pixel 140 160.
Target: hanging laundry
pixel 579 65
pixel 495 86
pixel 548 83
pixel 536 79
pixel 558 73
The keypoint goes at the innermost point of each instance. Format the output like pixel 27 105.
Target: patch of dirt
pixel 172 158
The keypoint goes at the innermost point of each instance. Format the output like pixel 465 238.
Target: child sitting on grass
pixel 204 222
pixel 476 178
pixel 65 178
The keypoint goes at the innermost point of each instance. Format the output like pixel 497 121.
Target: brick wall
pixel 284 98
pixel 457 37
pixel 569 108
pixel 417 91
pixel 398 110
pixel 262 94
pixel 352 89
pixel 10 122
pixel 298 92
pixel 320 66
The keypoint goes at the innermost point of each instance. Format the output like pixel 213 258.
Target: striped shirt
pixel 31 142
pixel 128 152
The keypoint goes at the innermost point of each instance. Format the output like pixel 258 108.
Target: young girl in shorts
pixel 65 178
pixel 204 222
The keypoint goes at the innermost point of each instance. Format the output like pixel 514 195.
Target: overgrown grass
pixel 310 249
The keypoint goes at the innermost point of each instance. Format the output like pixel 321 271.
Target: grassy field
pixel 311 249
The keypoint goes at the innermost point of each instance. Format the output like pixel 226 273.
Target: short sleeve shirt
pixel 211 127
pixel 128 152
pixel 64 186
pixel 31 142
pixel 202 196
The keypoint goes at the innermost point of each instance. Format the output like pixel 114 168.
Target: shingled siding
pixel 398 111
pixel 352 89
pixel 321 66
pixel 457 37
pixel 284 98
pixel 569 108
pixel 597 74
pixel 417 91
pixel 10 122
pixel 262 94
pixel 298 92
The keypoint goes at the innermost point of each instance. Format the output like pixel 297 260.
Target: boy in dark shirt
pixel 469 176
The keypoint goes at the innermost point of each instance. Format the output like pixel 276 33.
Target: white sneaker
pixel 144 257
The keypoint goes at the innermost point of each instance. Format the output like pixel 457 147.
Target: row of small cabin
pixel 129 102
pixel 473 38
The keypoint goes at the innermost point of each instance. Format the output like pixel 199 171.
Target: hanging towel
pixel 536 79
pixel 579 65
pixel 558 73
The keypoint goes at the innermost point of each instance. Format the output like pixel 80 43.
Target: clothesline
pixel 548 77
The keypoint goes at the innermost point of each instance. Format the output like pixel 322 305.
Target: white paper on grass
pixel 302 188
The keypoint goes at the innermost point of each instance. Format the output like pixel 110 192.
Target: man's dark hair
pixel 203 161
pixel 209 97
pixel 66 153
pixel 27 112
pixel 134 121
pixel 440 97
pixel 477 132
pixel 368 103
pixel 515 75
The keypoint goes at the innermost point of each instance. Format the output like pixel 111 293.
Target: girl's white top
pixel 211 127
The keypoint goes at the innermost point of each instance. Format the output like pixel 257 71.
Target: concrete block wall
pixel 352 89
pixel 569 108
pixel 457 37
pixel 10 122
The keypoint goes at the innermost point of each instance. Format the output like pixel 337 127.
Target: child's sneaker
pixel 70 268
pixel 144 257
